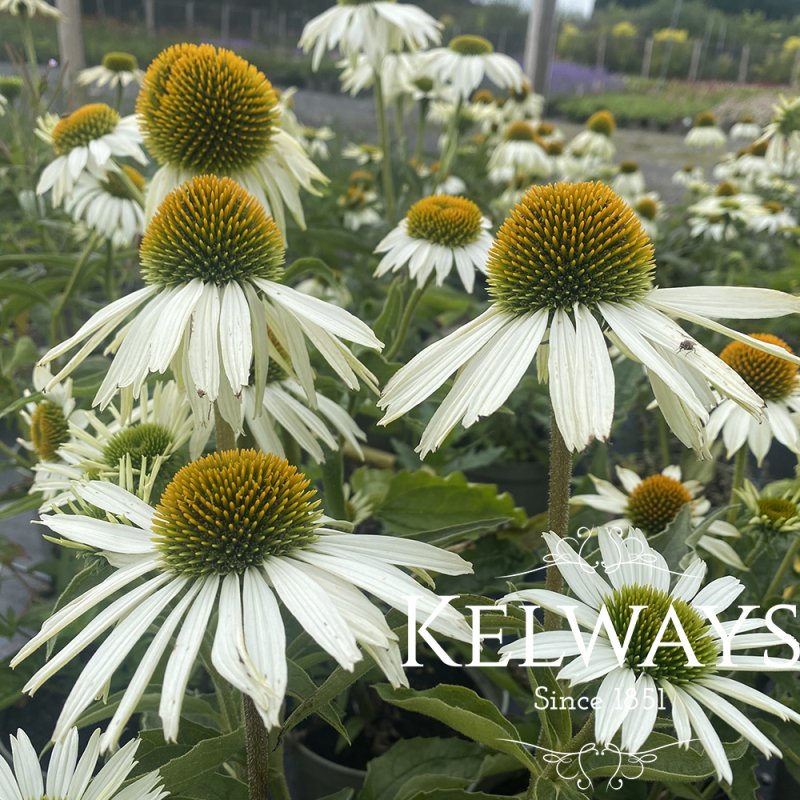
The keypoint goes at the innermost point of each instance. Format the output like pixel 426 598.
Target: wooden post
pixel 602 44
pixel 743 64
pixel 694 66
pixel 225 23
pixel 150 16
pixel 648 57
pixel 70 50
pixel 189 15
pixel 539 43
pixel 795 79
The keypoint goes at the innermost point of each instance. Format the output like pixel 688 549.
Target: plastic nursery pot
pixel 312 776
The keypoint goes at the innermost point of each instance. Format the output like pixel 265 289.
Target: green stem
pixel 558 508
pixel 405 321
pixel 423 117
pixel 451 146
pixel 70 287
pixel 278 788
pixel 226 436
pixel 739 467
pixel 777 580
pixel 386 161
pixel 257 751
pixel 574 745
pixel 663 441
pixel 333 484
pixel 399 127
pixel 30 55
pixel 118 98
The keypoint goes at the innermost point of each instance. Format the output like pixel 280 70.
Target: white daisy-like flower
pixel 315 140
pixel 692 177
pixel 363 154
pixel 746 129
pixel 186 559
pixel 212 261
pixel 30 8
pixel 774 379
pixel 637 575
pixel 147 438
pixel 593 145
pixel 310 425
pixel 523 104
pixel 576 283
pixel 724 214
pixel 521 153
pixel 86 141
pixel 452 185
pixel 438 233
pixel 107 205
pixel 369 28
pixel 3 104
pixel 771 511
pixel 773 218
pixel 205 110
pixel 117 69
pixel 650 504
pixel 648 208
pixel 397 71
pixel 467 60
pixel 749 166
pixel 629 181
pixel 70 777
pixel 705 132
pixel 783 137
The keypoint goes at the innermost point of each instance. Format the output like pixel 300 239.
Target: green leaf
pixel 21 505
pixel 466 713
pixel 21 402
pixel 302 687
pixel 422 501
pixel 212 786
pixel 672 763
pixel 672 543
pixel 308 265
pixel 389 319
pixel 205 756
pixel 389 775
pixel 456 794
pixel 342 794
pixel 99 712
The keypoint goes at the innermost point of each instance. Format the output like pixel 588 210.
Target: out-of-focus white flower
pixel 723 215
pixel 116 69
pixel 30 8
pixel 746 128
pixel 705 132
pixel 373 29
pixel 594 144
pixel 521 153
pixel 363 154
pixel 783 136
pixel 315 140
pixel 629 181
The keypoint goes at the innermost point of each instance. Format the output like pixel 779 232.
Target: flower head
pixel 772 511
pixel 235 532
pixel 117 69
pixel 438 232
pixel 574 260
pixel 670 642
pixel 70 778
pixel 203 109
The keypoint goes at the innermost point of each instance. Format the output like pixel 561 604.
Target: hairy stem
pixel 257 751
pixel 739 467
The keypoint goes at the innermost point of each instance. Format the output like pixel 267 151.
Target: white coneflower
pixel 397 72
pixel 652 503
pixel 521 153
pixel 773 218
pixel 772 511
pixel 107 205
pixel 70 778
pixel 774 379
pixel 85 141
pixel 783 137
pixel 574 261
pixel 705 132
pixel 724 214
pixel 196 559
pixel 360 206
pixel 212 260
pixel 629 181
pixel 438 233
pixel 363 154
pixel 30 8
pixel 648 208
pixel 117 69
pixel 692 177
pixel 636 575
pixel 205 110
pixel 594 143
pixel 465 62
pixel 282 407
pixel 746 128
pixel 523 104
pixel 749 165
pixel 315 141
pixel 369 28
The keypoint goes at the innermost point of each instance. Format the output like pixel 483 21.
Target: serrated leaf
pixel 205 756
pixel 466 713
pixel 422 501
pixel 389 775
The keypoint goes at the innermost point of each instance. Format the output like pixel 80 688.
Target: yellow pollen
pixel 206 109
pixel 444 220
pixel 231 510
pixel 49 429
pixel 568 243
pixel 770 377
pixel 210 228
pixel 655 502
pixel 88 123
